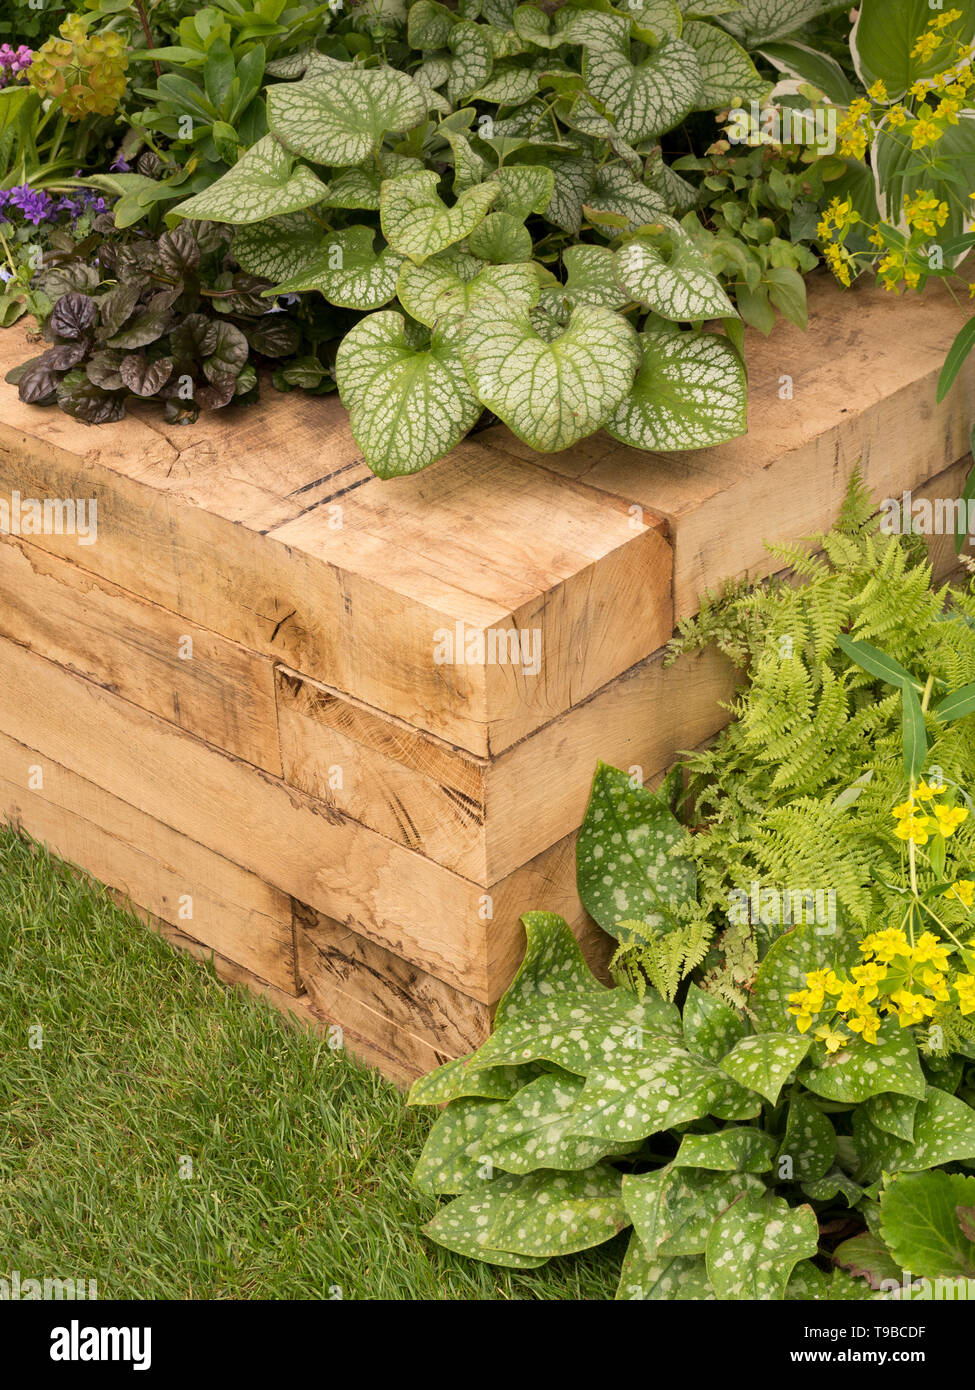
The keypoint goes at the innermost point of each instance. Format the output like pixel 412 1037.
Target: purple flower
pixel 13 61
pixel 35 204
pixel 120 165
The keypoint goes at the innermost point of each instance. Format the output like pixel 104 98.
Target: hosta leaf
pixel 809 1142
pixel 348 272
pixel 728 75
pixel 455 1079
pixel 551 394
pixel 580 1032
pixel 644 98
pixel 671 278
pixel 471 60
pixel 711 1027
pixel 465 1223
pixel 265 182
pixel 625 865
pixel 893 1113
pixel 453 1157
pixel 673 1209
pixel 754 1246
pixel 920 1226
pixel 885 37
pixel 646 1278
pixel 339 116
pixel 408 404
pixel 441 287
pixel 867 1069
pixel 616 189
pixel 535 1129
pixel 559 1213
pixel 728 1151
pixel 278 247
pixel 553 966
pixel 661 1087
pixel 765 1062
pixel 690 392
pixel 944 1132
pixel 415 221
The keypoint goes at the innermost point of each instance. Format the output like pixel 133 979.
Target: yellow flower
pixel 950 818
pixel 850 997
pixel 916 828
pixel 964 988
pixel 865 1022
pixel 942 21
pixel 963 890
pixel 906 808
pixel 927 45
pixel 936 984
pixel 924 792
pixel 929 950
pixel 804 1006
pixel 833 1039
pixel 925 132
pixel 898 116
pixel 868 977
pixel 878 91
pixel 885 945
pixel 911 1008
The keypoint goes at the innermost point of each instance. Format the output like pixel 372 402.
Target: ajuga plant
pixel 485 185
pixel 168 318
pixel 754 1157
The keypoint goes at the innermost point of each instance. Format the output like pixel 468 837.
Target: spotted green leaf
pixel 765 1062
pixel 673 1209
pixel 265 182
pixel 278 247
pixel 625 865
pixel 809 1142
pixel 535 1129
pixel 711 1027
pixel 864 1069
pixel 631 1098
pixel 448 285
pixel 754 1246
pixel 644 1277
pixel 452 1159
pixel 669 276
pixel 783 972
pixel 690 392
pixel 893 1113
pixel 746 1150
pixel 348 271
pixel 644 98
pixel 559 1213
pixel 944 1132
pixel 553 967
pixel 407 397
pixel 551 394
pixel 464 1225
pixel 418 224
pixel 339 116
pixel 728 75
pixel 455 1079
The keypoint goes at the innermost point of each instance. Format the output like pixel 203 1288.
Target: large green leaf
pixel 893 1113
pixel 453 1156
pixel 920 1226
pixel 455 1079
pixel 535 1129
pixel 809 1142
pixel 339 117
pixel 867 1069
pixel 944 1132
pixel 447 286
pixel 644 98
pixel 464 1225
pixel 280 246
pixel 646 1278
pixel 885 34
pixel 728 75
pixel 407 397
pixel 348 271
pixel 669 276
pixel 624 857
pixel 901 172
pixel 673 1209
pixel 559 1213
pixel 765 1062
pixel 690 392
pixel 550 393
pixel 659 1088
pixel 711 1027
pixel 754 1246
pixel 553 966
pixel 265 182
pixel 470 62
pixel 418 224
pixel 744 1150
pixel 770 19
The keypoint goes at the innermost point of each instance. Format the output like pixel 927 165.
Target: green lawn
pixel 301 1157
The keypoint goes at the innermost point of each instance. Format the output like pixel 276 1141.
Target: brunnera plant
pixel 496 207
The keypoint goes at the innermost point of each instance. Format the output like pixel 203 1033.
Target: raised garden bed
pixel 234 707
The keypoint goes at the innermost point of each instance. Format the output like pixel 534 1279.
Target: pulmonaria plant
pixel 169 319
pixel 497 208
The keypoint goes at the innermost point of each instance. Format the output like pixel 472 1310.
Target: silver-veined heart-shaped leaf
pixel 524 189
pixel 418 224
pixel 358 189
pixel 265 182
pixel 645 98
pixel 617 189
pixel 501 239
pixel 669 276
pixel 449 285
pixel 510 84
pixel 339 116
pixel 728 75
pixel 550 393
pixel 279 247
pixel 348 272
pixel 429 25
pixel 471 60
pixel 407 397
pixel 769 19
pixel 590 279
pixel 690 393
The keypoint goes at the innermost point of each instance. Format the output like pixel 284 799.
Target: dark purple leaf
pixel 115 308
pixel 165 299
pixel 143 377
pixel 219 391
pixel 82 399
pixel 145 328
pixel 38 385
pixel 193 339
pixel 103 369
pixel 15 373
pixel 276 336
pixel 58 280
pixel 229 355
pixel 245 295
pixel 179 253
pixel 72 316
pixel 64 356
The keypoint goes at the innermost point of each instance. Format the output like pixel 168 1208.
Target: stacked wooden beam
pixel 340 732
